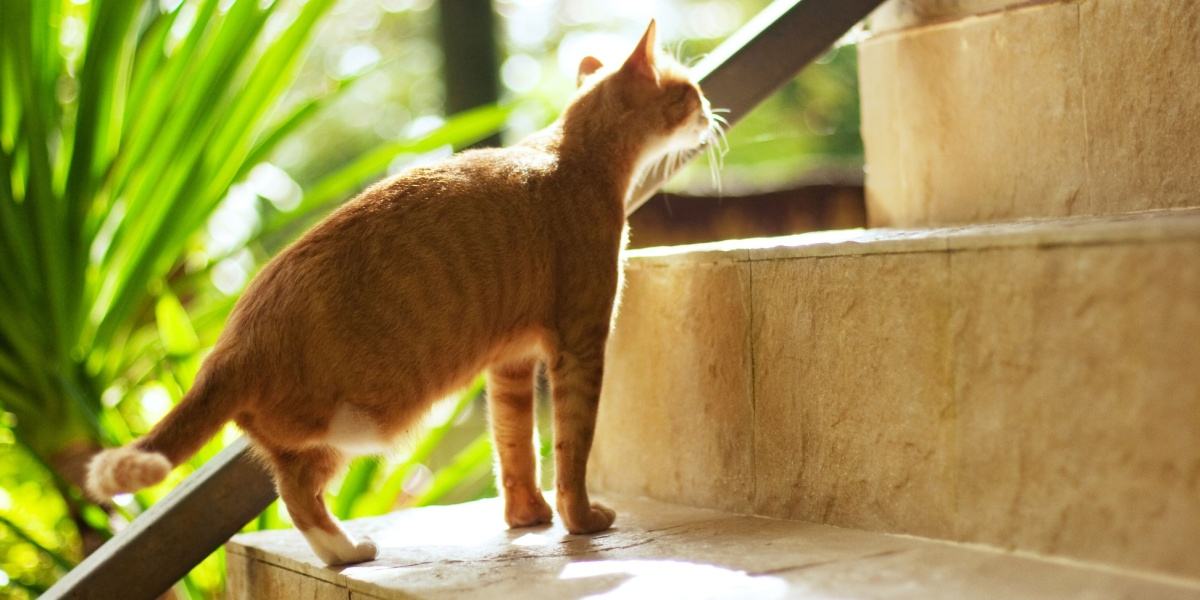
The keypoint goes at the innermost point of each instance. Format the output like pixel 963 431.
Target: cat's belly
pixel 367 405
pixel 354 433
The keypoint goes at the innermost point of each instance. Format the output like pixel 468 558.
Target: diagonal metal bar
pixel 163 544
pixel 762 56
pixel 178 532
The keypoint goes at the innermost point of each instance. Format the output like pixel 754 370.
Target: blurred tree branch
pixel 470 63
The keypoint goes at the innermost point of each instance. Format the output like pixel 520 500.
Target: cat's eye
pixel 685 93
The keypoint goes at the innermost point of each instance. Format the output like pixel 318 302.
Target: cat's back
pixel 464 237
pixel 450 204
pixel 491 173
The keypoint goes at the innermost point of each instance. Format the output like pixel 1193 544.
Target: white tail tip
pixel 127 469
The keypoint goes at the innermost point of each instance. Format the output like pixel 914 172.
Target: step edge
pixel 1153 226
pixel 1158 577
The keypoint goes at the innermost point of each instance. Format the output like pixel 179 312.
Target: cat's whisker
pixel 717 134
pixel 721 132
pixel 718 164
pixel 719 110
pixel 719 168
pixel 713 171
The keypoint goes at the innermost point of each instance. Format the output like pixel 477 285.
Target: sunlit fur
pixel 494 259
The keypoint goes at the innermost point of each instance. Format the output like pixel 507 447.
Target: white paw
pixel 327 556
pixel 339 548
pixel 364 550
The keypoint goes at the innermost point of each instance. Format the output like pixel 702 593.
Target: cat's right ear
pixel 641 62
pixel 587 66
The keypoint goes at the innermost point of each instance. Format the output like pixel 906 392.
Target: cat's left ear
pixel 587 66
pixel 641 62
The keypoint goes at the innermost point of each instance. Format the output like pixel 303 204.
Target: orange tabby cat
pixel 494 259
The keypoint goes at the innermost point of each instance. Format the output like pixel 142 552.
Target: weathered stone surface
pixel 900 14
pixel 1142 77
pixel 666 551
pixel 250 579
pixel 1028 385
pixel 976 121
pixel 853 412
pixel 1078 401
pixel 1051 109
pixel 703 331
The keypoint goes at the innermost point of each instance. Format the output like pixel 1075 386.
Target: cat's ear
pixel 641 62
pixel 587 66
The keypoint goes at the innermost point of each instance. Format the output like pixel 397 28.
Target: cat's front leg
pixel 575 378
pixel 510 404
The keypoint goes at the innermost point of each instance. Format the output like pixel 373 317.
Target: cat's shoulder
pixel 484 163
pixel 513 159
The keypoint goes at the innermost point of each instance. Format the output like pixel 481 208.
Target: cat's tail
pixel 147 461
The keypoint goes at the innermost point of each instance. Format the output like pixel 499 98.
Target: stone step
pixel 658 550
pixel 1030 386
pixel 993 110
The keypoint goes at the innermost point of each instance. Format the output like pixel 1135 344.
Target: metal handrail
pixel 165 542
pixel 168 540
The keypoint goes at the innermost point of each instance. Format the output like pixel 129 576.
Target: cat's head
pixel 650 97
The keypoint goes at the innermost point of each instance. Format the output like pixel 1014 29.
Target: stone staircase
pixel 995 396
pixel 1028 386
pixel 1026 393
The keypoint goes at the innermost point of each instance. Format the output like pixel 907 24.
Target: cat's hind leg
pixel 301 477
pixel 510 404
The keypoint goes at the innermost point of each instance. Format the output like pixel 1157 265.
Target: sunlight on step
pixel 833 236
pixel 444 529
pixel 676 579
pixel 532 539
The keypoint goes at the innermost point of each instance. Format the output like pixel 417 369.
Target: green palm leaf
pixel 113 158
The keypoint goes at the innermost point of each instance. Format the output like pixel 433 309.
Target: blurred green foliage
pixel 154 153
pixel 127 130
pixel 812 123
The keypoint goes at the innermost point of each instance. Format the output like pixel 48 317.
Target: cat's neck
pixel 608 161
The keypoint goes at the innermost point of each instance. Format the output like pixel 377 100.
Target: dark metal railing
pixel 164 543
pixel 174 535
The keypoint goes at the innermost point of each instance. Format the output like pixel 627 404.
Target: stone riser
pixel 993 110
pixel 1032 386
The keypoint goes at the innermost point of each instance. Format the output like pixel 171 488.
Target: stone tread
pixel 1151 226
pixel 660 550
pixel 1028 385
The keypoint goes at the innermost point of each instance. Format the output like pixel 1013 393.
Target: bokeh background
pixel 154 154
